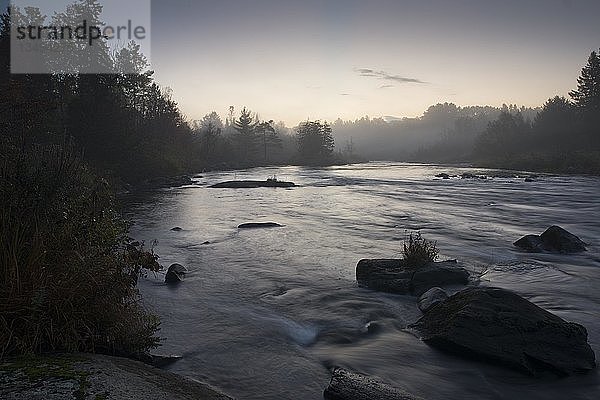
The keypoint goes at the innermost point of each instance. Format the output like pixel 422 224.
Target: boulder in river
pixel 430 298
pixel 175 273
pixel 394 276
pixel 176 229
pixel 554 240
pixel 269 183
pixel 257 225
pixel 346 385
pixel 501 327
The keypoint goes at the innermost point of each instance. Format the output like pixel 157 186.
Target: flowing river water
pixel 264 313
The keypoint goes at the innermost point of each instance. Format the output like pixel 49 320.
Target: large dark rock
pixel 430 298
pixel 394 276
pixel 554 240
pixel 499 326
pixel 253 184
pixel 347 385
pixel 257 225
pixel 175 273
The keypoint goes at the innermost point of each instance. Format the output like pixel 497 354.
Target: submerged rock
pixel 554 240
pixel 430 298
pixel 347 385
pixel 176 229
pixel 256 225
pixel 394 276
pixel 499 326
pixel 443 175
pixel 253 184
pixel 175 273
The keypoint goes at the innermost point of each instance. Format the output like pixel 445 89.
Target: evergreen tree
pixel 587 95
pixel 245 138
pixel 269 138
pixel 315 142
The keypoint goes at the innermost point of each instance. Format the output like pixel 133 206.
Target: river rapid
pixel 264 313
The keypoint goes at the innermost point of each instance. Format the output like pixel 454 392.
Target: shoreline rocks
pixel 393 276
pixel 92 376
pixel 346 385
pixel 498 326
pixel 554 240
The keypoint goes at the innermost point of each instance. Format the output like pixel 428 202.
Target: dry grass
pixel 68 270
pixel 417 251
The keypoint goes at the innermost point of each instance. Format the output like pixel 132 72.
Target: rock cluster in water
pixel 554 240
pixel 394 276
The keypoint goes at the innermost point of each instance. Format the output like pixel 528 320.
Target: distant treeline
pixel 127 125
pixel 561 136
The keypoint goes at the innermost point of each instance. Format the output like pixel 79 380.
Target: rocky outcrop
pixel 554 240
pixel 87 376
pixel 430 298
pixel 175 273
pixel 394 276
pixel 253 184
pixel 258 225
pixel 347 385
pixel 499 326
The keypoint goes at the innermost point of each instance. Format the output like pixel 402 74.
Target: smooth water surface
pixel 263 313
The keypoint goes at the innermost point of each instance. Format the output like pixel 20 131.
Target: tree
pixel 587 95
pixel 315 142
pixel 268 137
pixel 245 137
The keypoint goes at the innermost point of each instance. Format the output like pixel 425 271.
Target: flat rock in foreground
pixel 347 385
pixel 252 184
pixel 89 376
pixel 393 276
pixel 499 326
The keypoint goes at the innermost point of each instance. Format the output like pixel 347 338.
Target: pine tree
pixel 315 142
pixel 587 95
pixel 245 137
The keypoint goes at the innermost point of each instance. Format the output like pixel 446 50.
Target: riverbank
pixel 95 377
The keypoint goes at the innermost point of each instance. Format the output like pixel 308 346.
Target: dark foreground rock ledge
pixel 347 385
pixel 499 326
pixel 394 276
pixel 554 240
pixel 86 376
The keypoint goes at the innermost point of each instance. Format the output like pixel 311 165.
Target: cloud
pixel 386 86
pixel 344 94
pixel 387 76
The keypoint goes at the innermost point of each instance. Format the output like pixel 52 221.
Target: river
pixel 264 313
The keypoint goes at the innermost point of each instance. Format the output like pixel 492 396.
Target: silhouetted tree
pixel 245 138
pixel 587 94
pixel 315 142
pixel 269 138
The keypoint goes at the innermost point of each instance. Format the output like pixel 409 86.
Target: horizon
pixel 346 60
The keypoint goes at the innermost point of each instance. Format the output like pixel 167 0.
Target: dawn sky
pixel 293 60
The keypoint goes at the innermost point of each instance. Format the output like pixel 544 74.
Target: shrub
pixel 68 270
pixel 417 251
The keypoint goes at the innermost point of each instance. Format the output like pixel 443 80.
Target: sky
pixel 329 59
